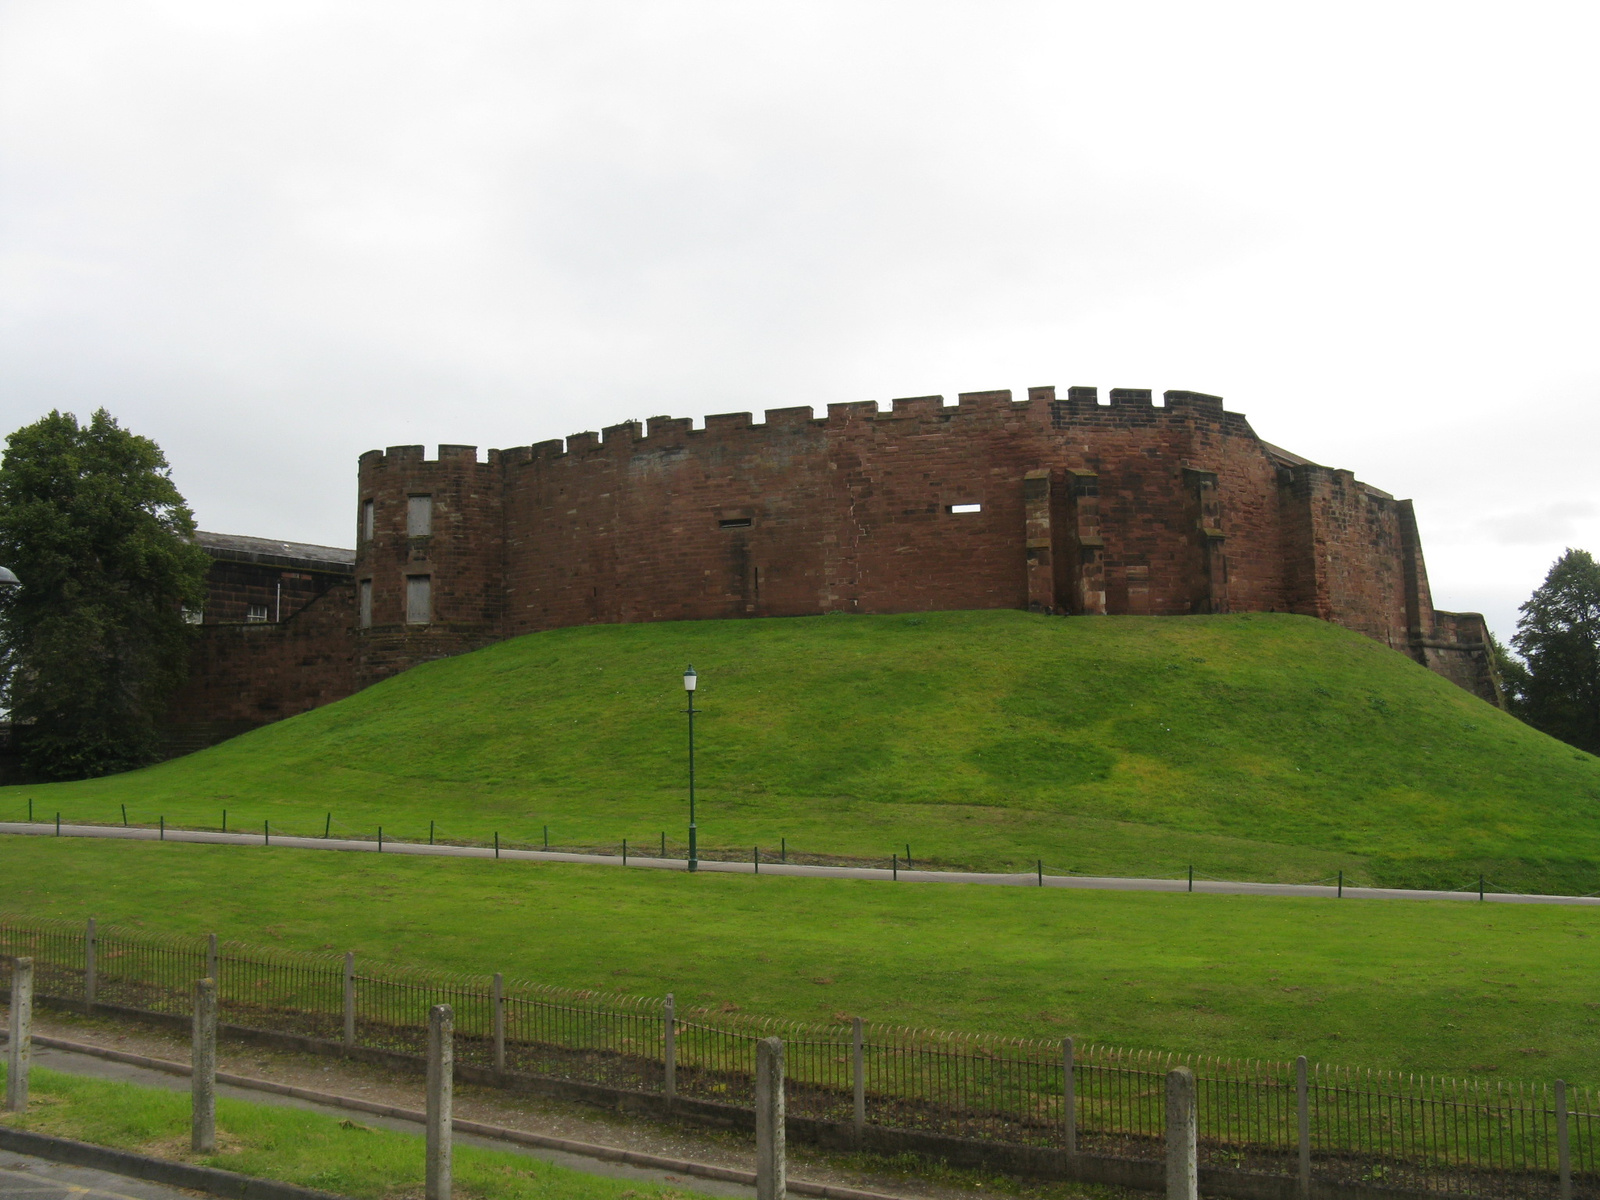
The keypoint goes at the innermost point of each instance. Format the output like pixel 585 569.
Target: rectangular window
pixel 194 616
pixel 735 523
pixel 419 516
pixel 367 520
pixel 256 612
pixel 419 599
pixel 963 508
pixel 366 604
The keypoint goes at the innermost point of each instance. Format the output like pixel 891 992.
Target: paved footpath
pixel 24 1177
pixel 1024 879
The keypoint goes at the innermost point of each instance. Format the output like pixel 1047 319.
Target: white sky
pixel 274 235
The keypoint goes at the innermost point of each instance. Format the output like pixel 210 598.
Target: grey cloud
pixel 276 235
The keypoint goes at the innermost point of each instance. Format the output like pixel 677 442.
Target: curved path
pixel 1025 879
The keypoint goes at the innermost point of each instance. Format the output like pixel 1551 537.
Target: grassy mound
pixel 1256 746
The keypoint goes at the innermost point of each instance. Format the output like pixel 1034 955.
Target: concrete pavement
pixel 1022 879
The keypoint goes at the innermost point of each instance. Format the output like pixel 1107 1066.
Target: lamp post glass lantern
pixel 690 679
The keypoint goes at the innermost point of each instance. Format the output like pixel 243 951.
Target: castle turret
pixel 428 541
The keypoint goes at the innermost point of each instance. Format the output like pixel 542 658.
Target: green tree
pixel 1512 672
pixel 1558 637
pixel 94 641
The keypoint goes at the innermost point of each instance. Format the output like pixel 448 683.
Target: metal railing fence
pixel 1353 1127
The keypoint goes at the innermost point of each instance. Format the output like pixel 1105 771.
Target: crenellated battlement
pixel 1081 404
pixel 448 453
pixel 918 406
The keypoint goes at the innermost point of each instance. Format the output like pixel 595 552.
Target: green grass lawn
pixel 289 1144
pixel 1252 746
pixel 1446 987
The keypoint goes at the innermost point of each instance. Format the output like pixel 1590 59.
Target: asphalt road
pixel 1025 879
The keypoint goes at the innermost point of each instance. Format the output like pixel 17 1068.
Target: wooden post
pixel 858 1075
pixel 19 1052
pixel 203 1056
pixel 1182 1178
pixel 349 999
pixel 1563 1146
pixel 1069 1094
pixel 669 1047
pixel 441 1077
pixel 499 1022
pixel 1302 1107
pixel 90 967
pixel 771 1152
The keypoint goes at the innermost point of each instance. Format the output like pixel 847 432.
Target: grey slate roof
pixel 272 552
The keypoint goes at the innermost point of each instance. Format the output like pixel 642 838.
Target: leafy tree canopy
pixel 94 641
pixel 1558 636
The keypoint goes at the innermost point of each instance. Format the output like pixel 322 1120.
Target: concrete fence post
pixel 1302 1108
pixel 858 1075
pixel 203 1056
pixel 669 1047
pixel 19 1053
pixel 90 967
pixel 499 1022
pixel 1069 1094
pixel 1563 1146
pixel 771 1151
pixel 441 1078
pixel 213 960
pixel 349 999
pixel 1182 1179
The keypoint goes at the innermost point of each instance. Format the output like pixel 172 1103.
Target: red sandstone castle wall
pixel 245 675
pixel 232 588
pixel 850 512
pixel 1459 650
pixel 1125 507
pixel 1354 556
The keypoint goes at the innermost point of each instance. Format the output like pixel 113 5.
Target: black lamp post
pixel 689 681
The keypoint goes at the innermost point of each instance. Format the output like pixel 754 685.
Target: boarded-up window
pixel 419 516
pixel 1138 576
pixel 419 599
pixel 366 604
pixel 367 519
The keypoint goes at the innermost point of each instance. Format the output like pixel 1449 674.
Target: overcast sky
pixel 274 235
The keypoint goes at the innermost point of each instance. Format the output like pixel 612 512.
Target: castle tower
pixel 428 557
